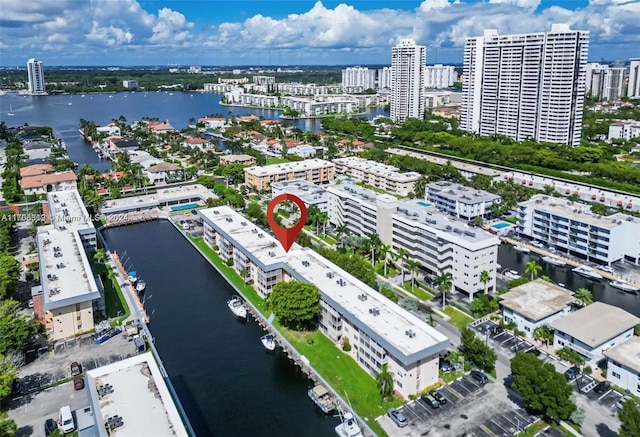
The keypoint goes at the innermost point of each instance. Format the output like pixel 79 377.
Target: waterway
pixel 227 382
pixel 602 292
pixel 63 114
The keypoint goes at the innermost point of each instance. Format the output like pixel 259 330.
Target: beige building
pixel 380 331
pixel 375 174
pixel 316 171
pixel 238 159
pixel 45 182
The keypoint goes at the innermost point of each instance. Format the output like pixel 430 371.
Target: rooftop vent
pixel 272 254
pixel 409 333
pixel 273 244
pixel 374 311
pixel 229 219
pixel 260 235
pixel 243 223
pixel 306 263
pixel 216 212
pixel 362 297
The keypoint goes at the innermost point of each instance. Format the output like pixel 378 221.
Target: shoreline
pixel 290 117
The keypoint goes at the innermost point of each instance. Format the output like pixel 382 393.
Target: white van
pixel 65 421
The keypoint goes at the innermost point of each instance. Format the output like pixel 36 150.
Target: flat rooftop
pixel 378 169
pixel 537 300
pixel 626 353
pixel 68 212
pixel 577 211
pixel 162 196
pixel 307 191
pixel 138 395
pixel 595 324
pixel 460 193
pixel 362 195
pixel 288 167
pixel 66 275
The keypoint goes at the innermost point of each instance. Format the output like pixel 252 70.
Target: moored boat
pixel 620 285
pixel 587 272
pixel 140 285
pixel 521 249
pixel 237 308
pixel 554 260
pixel 268 342
pixel 512 274
pixel 322 398
pixel 133 277
pixel 349 426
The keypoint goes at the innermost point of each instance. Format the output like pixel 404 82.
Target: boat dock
pixel 132 291
pixel 122 219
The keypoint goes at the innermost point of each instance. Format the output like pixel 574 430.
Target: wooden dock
pixel 132 291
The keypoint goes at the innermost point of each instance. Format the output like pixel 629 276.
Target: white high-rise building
pixel 604 82
pixel 35 71
pixel 634 79
pixel 439 76
pixel 407 80
pixel 384 78
pixel 526 86
pixel 359 76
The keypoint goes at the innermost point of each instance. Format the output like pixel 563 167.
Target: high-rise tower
pixel 35 71
pixel 408 61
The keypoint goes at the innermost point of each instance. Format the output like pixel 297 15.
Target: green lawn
pixel 276 160
pixel 114 300
pixel 458 318
pixel 327 238
pixel 390 270
pixel 418 292
pixel 254 197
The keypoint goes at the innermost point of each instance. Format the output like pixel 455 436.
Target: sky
pixel 290 32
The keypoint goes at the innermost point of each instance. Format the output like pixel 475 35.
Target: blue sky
pixel 286 32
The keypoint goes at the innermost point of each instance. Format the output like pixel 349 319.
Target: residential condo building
pixel 35 72
pixel 633 91
pixel 459 200
pixel 624 129
pixel 384 78
pixel 623 365
pixel 359 76
pixel 380 331
pixel 439 76
pixel 310 193
pixel 439 243
pixel 68 213
pixel 407 80
pixel 316 171
pixel 605 82
pixel 375 174
pixel 526 86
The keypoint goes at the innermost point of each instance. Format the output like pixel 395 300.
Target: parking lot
pixel 500 337
pixel 471 409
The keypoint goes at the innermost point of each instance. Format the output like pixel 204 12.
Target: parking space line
pixel 602 397
pixel 423 406
pixel 487 430
pixel 454 392
pixel 499 424
pixel 404 410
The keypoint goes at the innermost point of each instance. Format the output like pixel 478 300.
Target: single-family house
pixel 163 172
pixel 194 143
pixel 44 183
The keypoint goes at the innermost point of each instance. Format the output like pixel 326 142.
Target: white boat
pixel 236 307
pixel 140 286
pixel 554 260
pixel 133 277
pixel 69 103
pixel 512 274
pixel 268 342
pixel 607 269
pixel 322 398
pixel 587 272
pixel 521 249
pixel 349 426
pixel 620 285
pixel 10 113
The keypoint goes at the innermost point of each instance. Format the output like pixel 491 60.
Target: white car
pixel 622 400
pixel 538 244
pixel 31 303
pixel 607 269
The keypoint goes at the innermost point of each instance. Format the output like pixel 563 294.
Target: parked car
pixel 194 212
pixel 538 244
pixel 457 367
pixel 601 388
pixel 76 368
pixel 622 400
pixel 49 427
pixel 16 387
pixel 572 373
pixel 397 417
pixel 30 304
pixel 430 400
pixel 479 376
pixel 445 367
pixel 438 397
pixel 78 384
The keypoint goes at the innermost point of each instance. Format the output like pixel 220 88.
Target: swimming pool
pixel 181 207
pixel 348 180
pixel 425 204
pixel 500 225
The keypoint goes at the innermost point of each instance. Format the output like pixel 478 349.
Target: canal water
pixel 227 382
pixel 602 292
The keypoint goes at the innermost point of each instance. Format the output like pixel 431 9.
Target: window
pixel 615 375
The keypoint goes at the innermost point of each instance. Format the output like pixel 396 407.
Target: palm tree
pixel 341 231
pixel 444 282
pixel 100 255
pixel 323 218
pixel 413 266
pixel 374 242
pixel 383 252
pixel 420 186
pixel 485 278
pixel 533 269
pixel 583 296
pixel 543 334
pixel 384 379
pixel 452 358
pixel 402 255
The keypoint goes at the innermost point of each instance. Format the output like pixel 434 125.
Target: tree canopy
pixel 629 420
pixel 295 303
pixel 476 352
pixel 14 329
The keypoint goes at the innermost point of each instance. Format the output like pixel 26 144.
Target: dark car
pixel 601 388
pixel 534 351
pixel 431 401
pixel 78 384
pixel 572 373
pixel 397 417
pixel 16 387
pixel 479 376
pixel 438 397
pixel 194 212
pixel 49 427
pixel 76 368
pixel 445 367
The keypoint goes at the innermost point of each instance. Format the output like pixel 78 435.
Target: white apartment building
pixel 535 304
pixel 604 82
pixel 623 365
pixel 526 86
pixel 633 90
pixel 238 96
pixel 311 194
pixel 64 302
pixel 130 84
pixel 360 77
pixel 264 80
pixel 378 175
pixel 460 201
pixel 320 106
pixel 311 89
pixel 68 213
pixel 317 171
pixel 434 99
pixel 593 330
pixel 624 129
pixel 572 227
pixel 439 76
pixel 384 78
pixel 380 331
pixel 438 243
pixel 35 72
pixel 407 80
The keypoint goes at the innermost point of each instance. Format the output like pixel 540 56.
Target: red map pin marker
pixel 286 236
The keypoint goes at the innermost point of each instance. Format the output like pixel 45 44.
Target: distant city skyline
pixel 281 33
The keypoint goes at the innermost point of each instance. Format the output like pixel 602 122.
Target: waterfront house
pixel 213 122
pixel 35 170
pixel 238 159
pixel 110 129
pixel 163 172
pixel 43 183
pixel 623 365
pixel 196 143
pixel 159 127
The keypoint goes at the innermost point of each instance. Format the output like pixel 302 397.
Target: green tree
pixel 544 334
pixel 100 255
pixel 389 294
pixel 14 329
pixel 295 303
pixel 8 427
pixel 384 380
pixel 374 242
pixel 478 221
pixel 420 186
pixel 629 420
pixel 383 252
pixel 402 255
pixel 485 279
pixel 542 388
pixel 533 269
pixel 452 357
pixel 341 232
pixel 476 352
pixel 483 305
pixel 583 296
pixel 414 267
pixel 9 274
pixel 8 372
pixel 444 282
pixel 571 356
